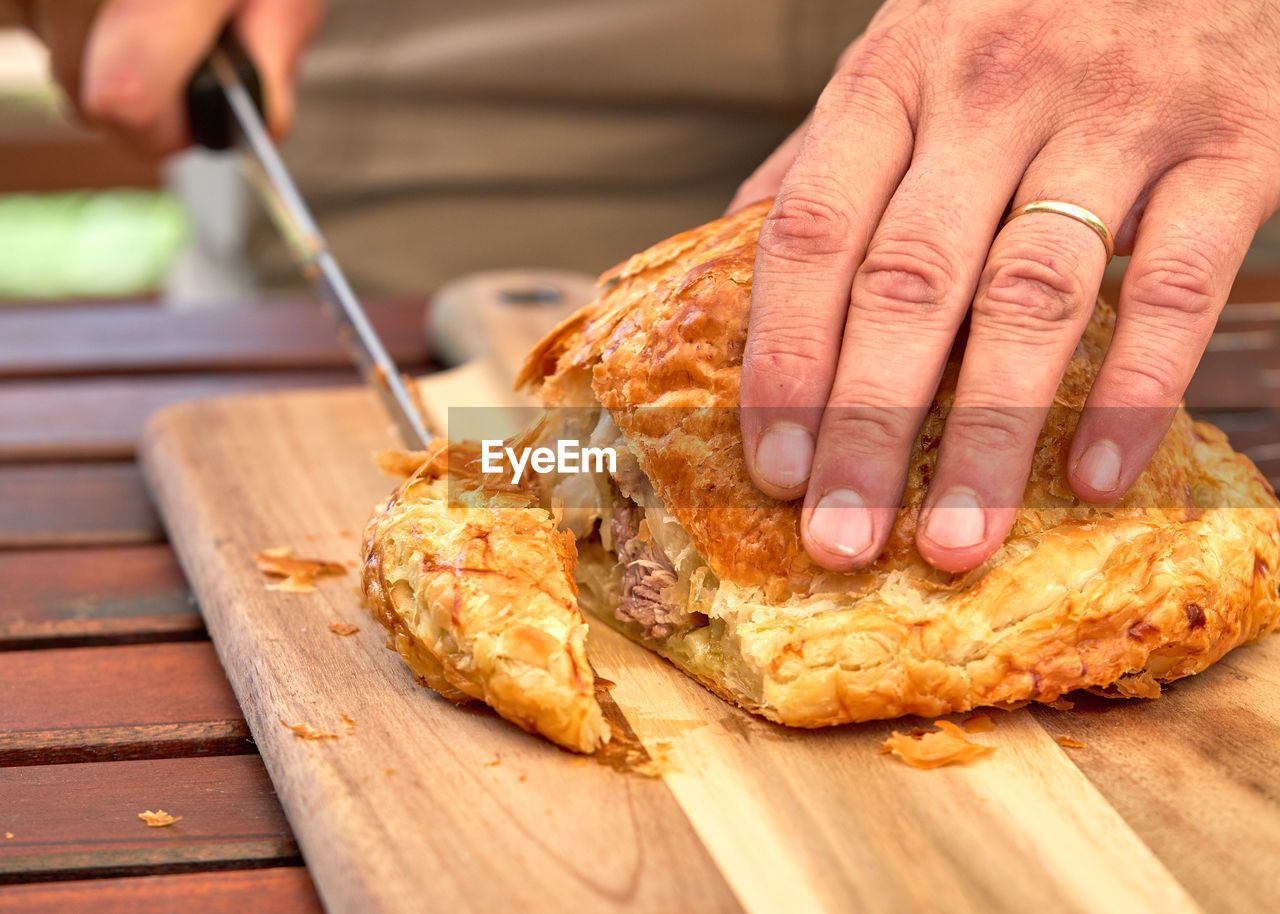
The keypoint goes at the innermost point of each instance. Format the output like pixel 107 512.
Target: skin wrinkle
pixel 1154 112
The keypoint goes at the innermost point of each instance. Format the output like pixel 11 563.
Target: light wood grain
pixel 818 820
pixel 1196 774
pixel 411 808
pixel 480 815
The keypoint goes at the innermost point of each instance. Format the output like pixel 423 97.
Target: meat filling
pixel 649 580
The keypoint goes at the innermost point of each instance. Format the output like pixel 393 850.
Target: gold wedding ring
pixel 1071 211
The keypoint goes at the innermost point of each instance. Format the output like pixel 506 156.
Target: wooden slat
pixel 73 821
pixel 101 418
pixel 67 598
pixel 78 340
pixel 71 504
pixel 1195 774
pixel 278 890
pixel 38 155
pixel 126 702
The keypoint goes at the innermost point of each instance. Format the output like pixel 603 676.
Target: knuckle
pixel 905 276
pixel 852 433
pixel 786 347
pixel 1032 285
pixel 1180 278
pixel 880 68
pixel 791 354
pixel 986 430
pixel 1148 379
pixel 808 221
pixel 1000 60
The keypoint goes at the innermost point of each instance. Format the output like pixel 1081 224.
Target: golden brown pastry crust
pixel 477 594
pixel 1116 599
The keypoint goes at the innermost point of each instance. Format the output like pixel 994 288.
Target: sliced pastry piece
pixel 475 586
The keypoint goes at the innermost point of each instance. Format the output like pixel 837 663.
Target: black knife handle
pixel 209 117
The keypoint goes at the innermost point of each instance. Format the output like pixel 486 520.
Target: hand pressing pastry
pixel 475 576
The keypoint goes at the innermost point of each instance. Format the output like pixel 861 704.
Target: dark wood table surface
pixel 112 700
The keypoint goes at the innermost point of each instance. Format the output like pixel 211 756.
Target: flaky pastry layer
pixel 478 596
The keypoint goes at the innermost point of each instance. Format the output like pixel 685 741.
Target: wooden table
pixel 112 700
pixel 111 697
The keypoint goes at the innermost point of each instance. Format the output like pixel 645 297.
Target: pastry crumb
pixel 348 723
pixel 157 819
pixel 296 575
pixel 932 749
pixel 522 778
pixel 1061 704
pixel 388 771
pixel 343 628
pixel 978 723
pixel 1012 705
pixel 497 760
pixel 8 835
pixel 1070 743
pixel 400 464
pixel 306 731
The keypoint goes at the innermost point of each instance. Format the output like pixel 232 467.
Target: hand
pixel 125 64
pixel 1159 116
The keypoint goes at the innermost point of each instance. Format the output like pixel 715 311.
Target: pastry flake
pixel 306 731
pixel 978 723
pixel 947 745
pixel 296 575
pixel 157 819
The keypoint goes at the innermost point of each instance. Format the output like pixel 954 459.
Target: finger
pixel 767 178
pixel 810 244
pixel 1034 300
pixel 1194 235
pixel 275 33
pixel 908 299
pixel 133 84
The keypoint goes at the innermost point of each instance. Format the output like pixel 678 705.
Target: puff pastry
pixel 477 594
pixel 682 553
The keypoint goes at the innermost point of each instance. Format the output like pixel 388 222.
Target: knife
pixel 224 95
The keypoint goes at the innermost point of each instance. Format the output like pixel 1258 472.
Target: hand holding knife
pixel 223 104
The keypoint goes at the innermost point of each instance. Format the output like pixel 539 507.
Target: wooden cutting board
pixel 1170 806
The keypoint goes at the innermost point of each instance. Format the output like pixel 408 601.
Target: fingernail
pixel 1099 468
pixel 784 455
pixel 841 523
pixel 956 521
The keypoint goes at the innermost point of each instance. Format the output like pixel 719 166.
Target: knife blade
pixel 230 69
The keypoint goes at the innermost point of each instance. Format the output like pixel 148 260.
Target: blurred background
pixel 434 139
